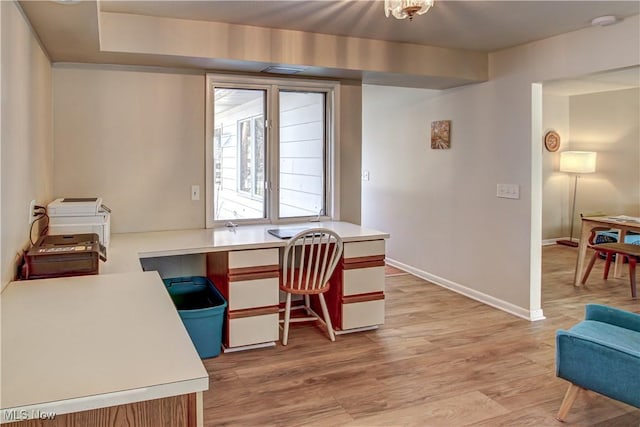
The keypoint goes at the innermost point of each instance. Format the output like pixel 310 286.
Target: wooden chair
pixel 629 251
pixel 309 260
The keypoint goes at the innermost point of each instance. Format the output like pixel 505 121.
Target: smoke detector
pixel 603 21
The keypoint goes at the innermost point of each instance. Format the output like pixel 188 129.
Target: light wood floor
pixel 440 360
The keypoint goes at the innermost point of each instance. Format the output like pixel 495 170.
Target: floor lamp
pixel 576 163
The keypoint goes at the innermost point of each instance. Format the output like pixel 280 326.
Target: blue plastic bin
pixel 201 308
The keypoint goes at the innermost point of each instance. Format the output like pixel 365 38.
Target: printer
pixel 81 215
pixel 62 256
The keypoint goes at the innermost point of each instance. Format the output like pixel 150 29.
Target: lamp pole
pixel 570 242
pixel 576 162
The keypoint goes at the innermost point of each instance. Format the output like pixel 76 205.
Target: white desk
pixel 81 343
pixel 243 263
pixel 126 249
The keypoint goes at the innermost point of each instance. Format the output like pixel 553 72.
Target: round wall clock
pixel 552 141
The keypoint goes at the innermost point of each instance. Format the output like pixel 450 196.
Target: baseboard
pixel 536 315
pixel 471 293
pixel 569 243
pixel 549 242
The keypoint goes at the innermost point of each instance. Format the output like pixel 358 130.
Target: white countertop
pixel 126 249
pixel 80 343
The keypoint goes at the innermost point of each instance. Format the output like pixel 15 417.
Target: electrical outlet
pixel 32 207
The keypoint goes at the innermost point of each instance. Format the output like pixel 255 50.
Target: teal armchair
pixel 602 354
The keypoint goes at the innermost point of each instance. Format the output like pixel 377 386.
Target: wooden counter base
pixel 176 411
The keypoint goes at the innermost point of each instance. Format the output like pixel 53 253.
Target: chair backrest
pixel 310 258
pixel 594 233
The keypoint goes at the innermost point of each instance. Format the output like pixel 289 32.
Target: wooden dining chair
pixel 309 260
pixel 626 250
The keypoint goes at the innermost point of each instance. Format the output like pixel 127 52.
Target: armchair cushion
pixel 613 316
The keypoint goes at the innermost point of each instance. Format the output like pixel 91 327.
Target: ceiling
pixel 625 78
pixel 477 25
pixel 69 32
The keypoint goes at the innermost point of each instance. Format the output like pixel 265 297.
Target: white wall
pixel 555 185
pixel 26 132
pixel 609 124
pixel 440 206
pixel 349 164
pixel 134 137
pixel 3 281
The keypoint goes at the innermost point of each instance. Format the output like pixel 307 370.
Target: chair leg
pixel 307 305
pixel 607 265
pixel 589 267
pixel 287 316
pixel 327 319
pixel 632 275
pixel 567 402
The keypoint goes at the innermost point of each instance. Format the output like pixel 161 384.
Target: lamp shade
pixel 578 161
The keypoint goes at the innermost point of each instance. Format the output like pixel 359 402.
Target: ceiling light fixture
pixel 603 21
pixel 279 69
pixel 402 9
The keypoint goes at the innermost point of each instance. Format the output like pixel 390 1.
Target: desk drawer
pixel 253 330
pixel 363 249
pixel 253 293
pixel 363 281
pixel 253 258
pixel 362 314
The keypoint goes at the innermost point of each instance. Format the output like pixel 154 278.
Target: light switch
pixel 508 191
pixel 365 175
pixel 195 192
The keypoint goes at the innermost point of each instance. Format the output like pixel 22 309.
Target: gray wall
pixel 26 132
pixel 135 137
pixel 609 124
pixel 350 151
pixel 440 206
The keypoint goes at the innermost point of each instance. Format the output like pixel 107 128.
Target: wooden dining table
pixel 620 223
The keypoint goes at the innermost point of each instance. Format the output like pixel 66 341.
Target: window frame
pixel 272 87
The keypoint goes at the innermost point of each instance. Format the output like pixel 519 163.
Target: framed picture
pixel 441 134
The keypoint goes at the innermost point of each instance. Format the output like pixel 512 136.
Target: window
pixel 302 153
pixel 271 149
pixel 238 154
